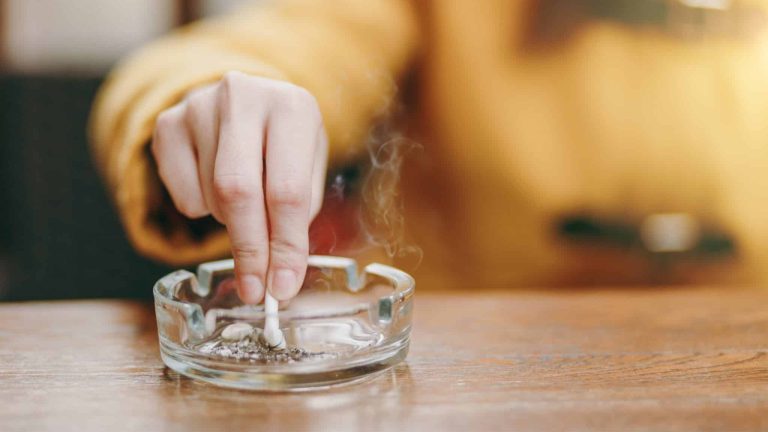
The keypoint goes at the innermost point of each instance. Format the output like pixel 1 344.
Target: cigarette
pixel 272 336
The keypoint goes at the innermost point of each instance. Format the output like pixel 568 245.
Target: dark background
pixel 59 235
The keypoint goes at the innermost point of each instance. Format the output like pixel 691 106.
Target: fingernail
pixel 284 284
pixel 251 289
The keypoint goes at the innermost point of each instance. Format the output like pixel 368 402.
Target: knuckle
pixel 196 108
pixel 233 188
pixel 292 99
pixel 200 105
pixel 239 89
pixel 249 252
pixel 164 120
pixel 232 78
pixel 241 95
pixel 287 253
pixel 302 100
pixel 288 195
pixel 231 85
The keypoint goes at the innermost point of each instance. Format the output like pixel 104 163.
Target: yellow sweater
pixel 614 121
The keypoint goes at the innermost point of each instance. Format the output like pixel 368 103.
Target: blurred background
pixel 61 238
pixel 59 235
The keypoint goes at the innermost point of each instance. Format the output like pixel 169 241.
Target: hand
pixel 252 152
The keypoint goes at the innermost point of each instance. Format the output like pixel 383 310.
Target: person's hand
pixel 252 152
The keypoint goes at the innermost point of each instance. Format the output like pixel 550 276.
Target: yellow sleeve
pixel 348 53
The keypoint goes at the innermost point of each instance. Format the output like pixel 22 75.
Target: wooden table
pixel 640 359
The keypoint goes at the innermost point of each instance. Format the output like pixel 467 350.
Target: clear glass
pixel 343 326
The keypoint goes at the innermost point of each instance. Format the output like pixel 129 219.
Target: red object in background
pixel 337 226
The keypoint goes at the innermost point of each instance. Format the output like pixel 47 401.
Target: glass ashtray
pixel 343 326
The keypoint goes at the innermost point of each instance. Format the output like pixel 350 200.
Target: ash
pixel 255 352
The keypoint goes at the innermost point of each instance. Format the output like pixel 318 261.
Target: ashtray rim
pixel 403 283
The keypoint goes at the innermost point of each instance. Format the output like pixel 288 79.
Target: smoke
pixel 364 203
pixel 382 214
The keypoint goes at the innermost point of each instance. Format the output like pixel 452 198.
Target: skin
pixel 252 152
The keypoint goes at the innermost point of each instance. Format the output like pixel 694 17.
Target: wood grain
pixel 642 359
